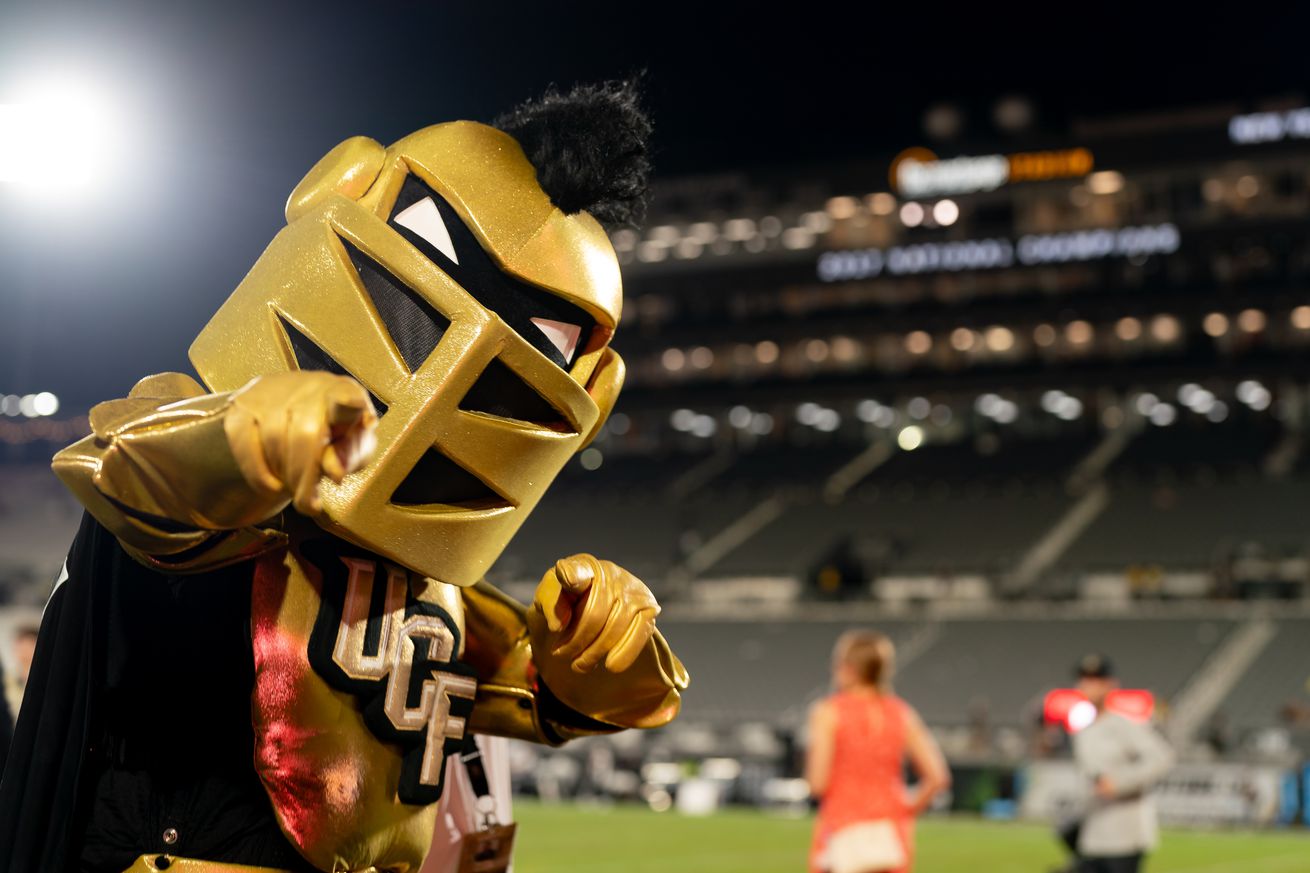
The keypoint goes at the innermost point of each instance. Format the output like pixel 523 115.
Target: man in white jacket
pixel 1123 759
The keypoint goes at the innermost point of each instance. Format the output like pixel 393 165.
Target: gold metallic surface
pixel 349 170
pixel 217 466
pixel 497 647
pixel 287 431
pixel 174 864
pixel 332 783
pixel 306 279
pixel 157 459
pixel 580 658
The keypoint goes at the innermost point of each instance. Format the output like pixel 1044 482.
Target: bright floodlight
pixel 910 438
pixel 45 403
pixel 56 136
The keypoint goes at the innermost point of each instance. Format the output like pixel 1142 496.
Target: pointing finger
pixel 596 608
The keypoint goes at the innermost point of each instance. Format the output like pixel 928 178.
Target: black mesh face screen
pixel 310 357
pixel 515 301
pixel 415 326
pixel 438 479
pixel 499 392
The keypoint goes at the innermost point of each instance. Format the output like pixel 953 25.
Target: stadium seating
pixel 768 670
pixel 1281 675
pixel 955 668
pixel 38 518
pixel 1191 524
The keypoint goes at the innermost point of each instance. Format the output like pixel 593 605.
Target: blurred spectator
pixel 980 727
pixel 859 739
pixel 6 725
pixel 1218 734
pixel 1123 759
pixel 840 574
pixel 24 649
pixel 1295 713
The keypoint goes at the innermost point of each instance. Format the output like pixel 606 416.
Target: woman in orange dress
pixel 860 737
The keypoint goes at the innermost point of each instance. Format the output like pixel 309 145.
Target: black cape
pixel 40 786
pixel 93 779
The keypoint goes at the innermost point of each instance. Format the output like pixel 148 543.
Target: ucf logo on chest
pixel 398 655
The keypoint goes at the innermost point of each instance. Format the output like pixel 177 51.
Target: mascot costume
pixel 272 635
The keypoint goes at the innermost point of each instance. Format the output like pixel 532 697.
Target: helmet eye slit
pixel 437 480
pixel 414 324
pixel 499 391
pixel 309 356
pixel 549 323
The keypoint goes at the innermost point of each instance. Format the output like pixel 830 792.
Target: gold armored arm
pixel 188 480
pixel 540 698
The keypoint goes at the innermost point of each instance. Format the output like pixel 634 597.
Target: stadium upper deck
pixel 1133 256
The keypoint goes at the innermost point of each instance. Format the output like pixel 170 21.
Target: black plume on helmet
pixel 589 147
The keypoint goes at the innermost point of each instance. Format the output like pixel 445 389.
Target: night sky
pixel 225 105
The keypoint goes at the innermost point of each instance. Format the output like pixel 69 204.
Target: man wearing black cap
pixel 1123 759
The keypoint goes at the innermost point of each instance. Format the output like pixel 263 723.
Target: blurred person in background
pixel 12 682
pixel 1123 761
pixel 859 738
pixel 24 648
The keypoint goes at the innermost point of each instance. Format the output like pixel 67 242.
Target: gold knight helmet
pixel 462 277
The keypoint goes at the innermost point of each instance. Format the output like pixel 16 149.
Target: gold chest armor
pixel 359 694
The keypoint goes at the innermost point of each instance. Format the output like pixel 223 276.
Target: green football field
pixel 582 839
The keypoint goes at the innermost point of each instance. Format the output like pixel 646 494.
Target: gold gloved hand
pixel 594 642
pixel 288 430
pixel 595 611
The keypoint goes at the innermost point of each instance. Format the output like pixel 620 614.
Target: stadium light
pixel 1215 324
pixel 1105 182
pixel 910 438
pixel 1128 328
pixel 1163 415
pixel 29 405
pixel 1251 320
pixel 842 207
pixel 761 424
pixel 999 339
pixel 58 135
pixel 945 212
pixel 45 403
pixel 881 203
pixel 918 342
pixel 704 426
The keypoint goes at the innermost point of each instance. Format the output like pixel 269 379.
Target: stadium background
pixel 1010 409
